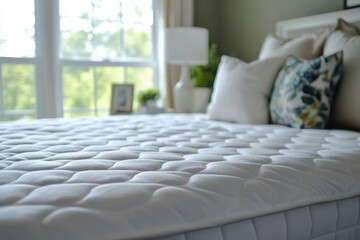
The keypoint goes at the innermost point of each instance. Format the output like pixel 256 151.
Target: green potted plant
pixel 147 99
pixel 150 94
pixel 202 78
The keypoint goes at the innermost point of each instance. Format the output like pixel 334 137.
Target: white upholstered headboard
pixel 316 23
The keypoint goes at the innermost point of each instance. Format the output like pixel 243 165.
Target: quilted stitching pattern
pixel 162 174
pixel 334 220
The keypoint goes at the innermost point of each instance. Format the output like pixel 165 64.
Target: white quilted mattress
pixel 139 176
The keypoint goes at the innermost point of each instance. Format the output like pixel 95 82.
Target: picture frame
pixel 122 96
pixel 351 4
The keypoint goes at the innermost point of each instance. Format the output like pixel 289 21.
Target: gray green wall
pixel 240 26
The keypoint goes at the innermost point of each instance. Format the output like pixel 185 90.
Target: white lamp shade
pixel 187 45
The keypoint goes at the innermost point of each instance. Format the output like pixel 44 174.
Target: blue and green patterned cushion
pixel 304 91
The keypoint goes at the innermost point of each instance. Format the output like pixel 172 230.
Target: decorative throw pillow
pixel 347 27
pixel 307 46
pixel 241 90
pixel 276 46
pixel 346 113
pixel 304 91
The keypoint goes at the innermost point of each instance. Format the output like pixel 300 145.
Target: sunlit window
pixel 98 43
pixel 116 36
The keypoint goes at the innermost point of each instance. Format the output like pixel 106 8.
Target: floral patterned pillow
pixel 304 91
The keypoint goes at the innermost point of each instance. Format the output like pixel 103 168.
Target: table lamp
pixel 186 46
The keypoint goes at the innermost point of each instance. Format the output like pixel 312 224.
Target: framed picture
pixel 351 3
pixel 121 98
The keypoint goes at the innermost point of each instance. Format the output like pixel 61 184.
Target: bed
pixel 177 177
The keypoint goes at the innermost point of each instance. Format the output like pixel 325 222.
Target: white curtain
pixel 170 13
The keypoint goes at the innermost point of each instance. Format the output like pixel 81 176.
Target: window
pixel 95 43
pixel 17 63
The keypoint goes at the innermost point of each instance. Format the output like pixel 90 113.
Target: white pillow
pixel 346 111
pixel 307 46
pixel 242 90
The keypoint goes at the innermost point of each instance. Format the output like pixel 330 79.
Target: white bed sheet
pixel 132 177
